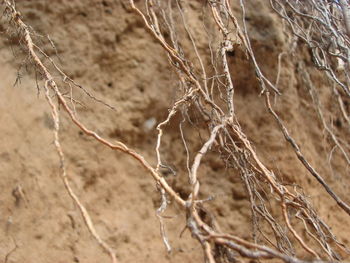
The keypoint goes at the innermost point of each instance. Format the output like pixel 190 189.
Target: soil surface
pixel 104 47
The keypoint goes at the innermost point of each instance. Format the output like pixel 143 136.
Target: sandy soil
pixel 105 48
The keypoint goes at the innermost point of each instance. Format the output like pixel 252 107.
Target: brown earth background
pixel 105 48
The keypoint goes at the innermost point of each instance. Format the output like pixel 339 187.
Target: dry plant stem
pixel 243 246
pixel 186 148
pixel 196 226
pixel 50 83
pixel 279 68
pixel 208 253
pixel 194 181
pixel 194 222
pixel 118 146
pixel 256 252
pixel 346 13
pixel 226 45
pixel 264 171
pixel 174 55
pixel 172 112
pixel 193 41
pixel 301 157
pixel 160 210
pixel 85 214
pixel 123 148
pixel 197 160
pixel 243 35
pixel 300 240
pixel 193 217
pixel 252 206
pixel 8 254
pixel 342 107
pixel 321 30
pixel 201 153
pixel 281 190
pixel 314 237
pixel 70 81
pixel 317 103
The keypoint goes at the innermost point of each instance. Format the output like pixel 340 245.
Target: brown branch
pixel 346 14
pixel 301 157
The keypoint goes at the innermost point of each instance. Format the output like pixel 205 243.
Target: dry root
pixel 212 98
